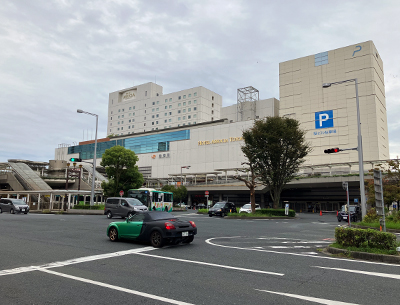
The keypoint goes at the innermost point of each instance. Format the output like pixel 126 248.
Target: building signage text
pixel 218 141
pixel 128 95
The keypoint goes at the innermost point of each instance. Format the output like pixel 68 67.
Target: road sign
pixel 121 193
pixel 206 192
pixel 355 200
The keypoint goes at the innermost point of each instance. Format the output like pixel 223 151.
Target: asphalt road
pixel 67 259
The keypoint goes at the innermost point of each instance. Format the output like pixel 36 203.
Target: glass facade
pixel 140 145
pixel 321 59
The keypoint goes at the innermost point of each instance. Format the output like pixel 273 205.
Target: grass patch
pixel 389 224
pixel 365 249
pixel 265 213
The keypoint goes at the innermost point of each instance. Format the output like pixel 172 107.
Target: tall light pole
pixel 187 167
pixel 94 156
pixel 359 146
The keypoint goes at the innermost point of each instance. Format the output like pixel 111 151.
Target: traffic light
pixel 331 150
pixel 75 160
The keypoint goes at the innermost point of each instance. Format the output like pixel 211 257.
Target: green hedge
pixel 274 212
pixel 361 238
pixel 88 207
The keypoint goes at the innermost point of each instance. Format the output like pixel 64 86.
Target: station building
pixel 170 132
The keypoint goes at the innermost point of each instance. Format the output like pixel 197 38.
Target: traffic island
pixel 384 258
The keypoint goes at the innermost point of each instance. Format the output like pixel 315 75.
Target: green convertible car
pixel 158 228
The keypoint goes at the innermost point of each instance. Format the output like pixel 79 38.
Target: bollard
pixel 320 212
pixel 337 213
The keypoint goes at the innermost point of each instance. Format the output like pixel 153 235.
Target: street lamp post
pixel 359 146
pixel 187 167
pixel 94 156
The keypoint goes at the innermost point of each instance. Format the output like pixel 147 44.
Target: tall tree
pixel 276 148
pixel 121 169
pixel 250 181
pixel 179 192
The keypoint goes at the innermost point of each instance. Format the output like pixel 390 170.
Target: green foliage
pixel 362 249
pixel 371 216
pixel 122 171
pixel 394 217
pixel 275 147
pixel 365 238
pixel 179 193
pixel 89 207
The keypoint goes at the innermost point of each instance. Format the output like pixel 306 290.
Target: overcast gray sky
pixel 60 55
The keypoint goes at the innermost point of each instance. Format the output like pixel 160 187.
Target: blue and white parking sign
pixel 324 119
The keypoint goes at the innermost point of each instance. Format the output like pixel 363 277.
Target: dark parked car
pixel 13 206
pixel 158 228
pixel 355 213
pixel 222 208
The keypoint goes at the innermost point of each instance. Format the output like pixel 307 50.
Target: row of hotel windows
pixel 165 107
pixel 165 121
pixel 165 114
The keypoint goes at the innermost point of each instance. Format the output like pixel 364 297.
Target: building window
pixel 195 94
pixel 133 126
pixel 189 117
pixel 152 123
pixel 118 128
pixel 170 113
pixel 179 97
pixel 158 102
pixel 170 106
pixel 179 111
pixel 195 102
pixel 119 110
pixel 129 127
pixel 153 110
pixel 157 122
pixel 179 104
pixel 123 109
pixel 165 121
pixel 166 100
pixel 152 116
pixel 118 122
pixel 156 115
pixel 133 107
pixel 111 118
pixel 169 120
pixel 183 124
pixel 189 102
pixel 166 107
pixel 190 95
pixel 184 103
pixel 170 99
pixel 194 108
pixel 184 96
pixel 212 111
pixel 119 116
pixel 133 120
pixel 165 114
pixel 184 110
pixel 133 113
pixel 111 112
pixel 184 118
pixel 179 118
pixel 130 108
pixel 194 116
pixel 130 121
pixel 157 109
pixel 212 105
pixel 122 116
pixel 189 109
pixel 154 103
pixel 145 93
pixel 122 122
pixel 321 59
pixel 212 98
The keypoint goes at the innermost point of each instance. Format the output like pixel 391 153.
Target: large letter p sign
pixel 324 119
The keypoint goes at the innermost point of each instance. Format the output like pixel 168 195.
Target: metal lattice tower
pixel 247 94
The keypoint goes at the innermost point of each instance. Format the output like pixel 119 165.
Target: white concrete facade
pixel 145 108
pixel 329 114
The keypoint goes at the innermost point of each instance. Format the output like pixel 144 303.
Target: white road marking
pixel 295 254
pixel 142 294
pixel 307 242
pixel 388 275
pixel 311 299
pixel 210 264
pixel 74 261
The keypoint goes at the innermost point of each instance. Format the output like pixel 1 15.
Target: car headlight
pixel 17 208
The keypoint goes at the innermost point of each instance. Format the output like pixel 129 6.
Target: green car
pixel 158 228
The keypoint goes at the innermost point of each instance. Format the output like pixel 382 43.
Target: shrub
pixel 371 216
pixel 395 216
pixel 369 238
pixel 89 207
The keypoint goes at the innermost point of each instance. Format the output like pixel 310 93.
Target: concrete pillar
pixel 51 201
pixel 189 200
pixel 17 195
pixel 220 197
pixel 69 201
pixel 38 202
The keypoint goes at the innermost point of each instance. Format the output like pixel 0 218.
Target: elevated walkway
pixel 27 178
pixel 89 169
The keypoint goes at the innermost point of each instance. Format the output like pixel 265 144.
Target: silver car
pixel 13 206
pixel 123 207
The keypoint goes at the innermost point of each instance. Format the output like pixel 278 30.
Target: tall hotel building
pixel 329 115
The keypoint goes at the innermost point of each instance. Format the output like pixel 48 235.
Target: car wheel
pixel 1 211
pixel 113 234
pixel 130 214
pixel 339 219
pixel 209 215
pixel 109 215
pixel 12 211
pixel 188 240
pixel 25 212
pixel 222 214
pixel 156 239
pixel 166 209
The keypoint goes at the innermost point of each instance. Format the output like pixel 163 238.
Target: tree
pixel 178 192
pixel 250 181
pixel 275 147
pixel 390 182
pixel 122 171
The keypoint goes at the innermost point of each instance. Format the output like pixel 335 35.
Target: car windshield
pixel 156 215
pixel 247 206
pixel 352 208
pixel 133 202
pixel 19 202
pixel 219 205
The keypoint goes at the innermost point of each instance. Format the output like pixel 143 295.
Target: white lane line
pixel 208 241
pixel 311 299
pixel 388 275
pixel 210 264
pixel 74 261
pixel 142 294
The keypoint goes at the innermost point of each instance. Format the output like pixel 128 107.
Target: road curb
pixel 391 259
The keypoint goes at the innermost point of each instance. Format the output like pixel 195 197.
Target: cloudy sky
pixel 60 55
